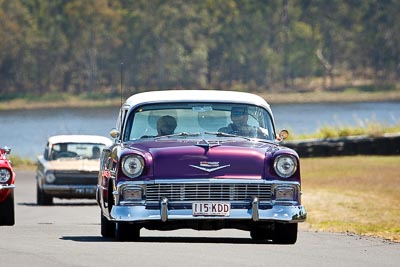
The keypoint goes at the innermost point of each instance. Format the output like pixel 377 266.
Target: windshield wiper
pixel 222 134
pixel 185 134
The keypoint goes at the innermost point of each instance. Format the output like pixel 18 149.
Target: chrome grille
pixel 76 178
pixel 208 192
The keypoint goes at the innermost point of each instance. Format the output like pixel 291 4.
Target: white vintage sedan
pixel 69 167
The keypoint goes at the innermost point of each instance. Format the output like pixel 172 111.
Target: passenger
pixel 166 125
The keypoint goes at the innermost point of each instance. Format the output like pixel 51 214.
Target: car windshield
pixel 76 150
pixel 204 120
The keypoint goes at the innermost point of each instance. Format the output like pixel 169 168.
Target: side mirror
pixel 114 133
pixel 7 150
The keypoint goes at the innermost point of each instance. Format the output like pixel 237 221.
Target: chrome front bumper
pixel 138 213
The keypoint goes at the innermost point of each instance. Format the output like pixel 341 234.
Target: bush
pixel 371 129
pixel 18 162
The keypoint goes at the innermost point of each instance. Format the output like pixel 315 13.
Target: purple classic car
pixel 199 159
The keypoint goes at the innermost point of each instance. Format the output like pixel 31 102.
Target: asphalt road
pixel 68 234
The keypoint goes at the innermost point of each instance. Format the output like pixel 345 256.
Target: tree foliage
pixel 77 46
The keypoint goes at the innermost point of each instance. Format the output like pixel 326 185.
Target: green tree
pixel 76 46
pixel 49 45
pixel 92 29
pixel 381 39
pixel 166 47
pixel 17 41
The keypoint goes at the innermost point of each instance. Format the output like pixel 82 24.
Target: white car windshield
pixel 76 150
pixel 207 120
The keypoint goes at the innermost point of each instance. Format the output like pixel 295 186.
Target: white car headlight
pixel 285 165
pixel 5 175
pixel 50 178
pixel 132 166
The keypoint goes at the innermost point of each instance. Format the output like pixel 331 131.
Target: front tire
pixel 7 212
pixel 285 233
pixel 42 198
pixel 107 227
pixel 126 232
pixel 259 234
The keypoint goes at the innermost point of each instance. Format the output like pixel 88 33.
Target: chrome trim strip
pixel 233 202
pixel 131 203
pixel 243 180
pixel 115 196
pixel 209 169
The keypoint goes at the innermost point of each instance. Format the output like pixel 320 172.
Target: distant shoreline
pixel 272 98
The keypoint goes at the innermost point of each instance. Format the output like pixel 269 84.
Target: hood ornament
pixel 208 166
pixel 207 145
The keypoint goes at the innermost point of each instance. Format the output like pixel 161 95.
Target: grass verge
pixel 358 194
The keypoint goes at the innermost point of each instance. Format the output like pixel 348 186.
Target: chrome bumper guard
pixel 289 214
pixel 7 186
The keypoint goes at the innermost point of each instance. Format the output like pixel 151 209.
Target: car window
pixel 76 150
pixel 196 118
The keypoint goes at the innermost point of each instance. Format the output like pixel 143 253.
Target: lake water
pixel 26 131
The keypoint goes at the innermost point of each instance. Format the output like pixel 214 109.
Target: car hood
pixel 88 165
pixel 176 159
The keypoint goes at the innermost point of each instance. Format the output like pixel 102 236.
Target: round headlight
pixel 50 177
pixel 5 175
pixel 132 166
pixel 285 165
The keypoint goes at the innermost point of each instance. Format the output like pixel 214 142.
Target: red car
pixel 7 179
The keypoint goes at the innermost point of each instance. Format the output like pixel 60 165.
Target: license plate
pixel 85 191
pixel 211 209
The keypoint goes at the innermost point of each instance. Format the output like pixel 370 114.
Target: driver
pixel 63 152
pixel 239 126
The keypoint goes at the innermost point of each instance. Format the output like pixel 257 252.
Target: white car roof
pixel 95 139
pixel 196 96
